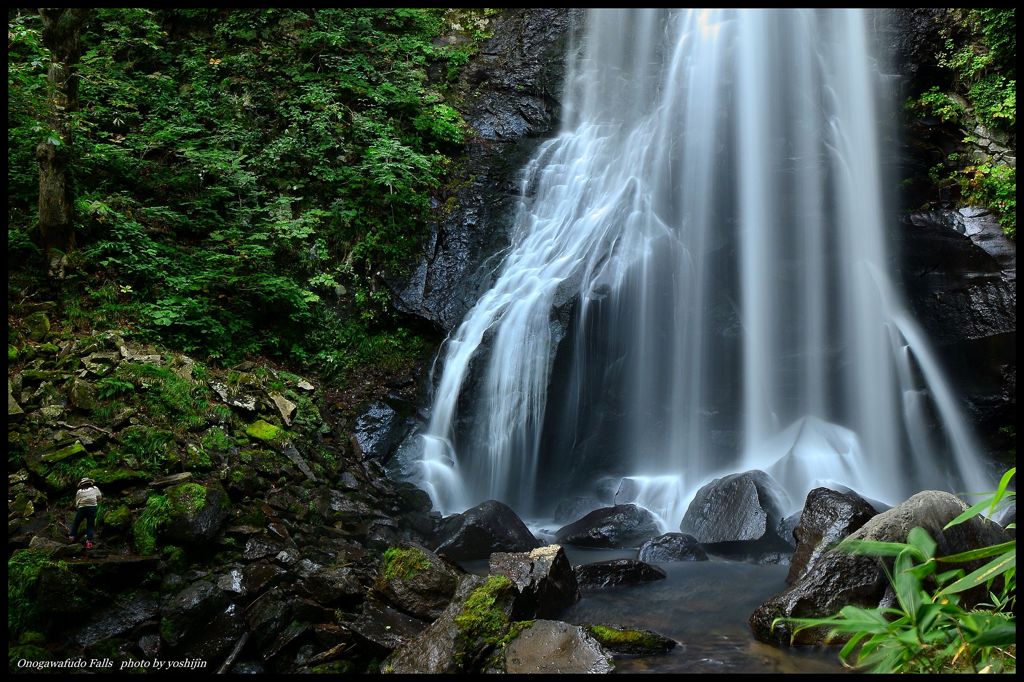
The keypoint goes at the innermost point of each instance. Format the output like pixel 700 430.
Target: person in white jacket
pixel 87 499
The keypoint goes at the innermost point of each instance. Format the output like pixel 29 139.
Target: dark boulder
pixel 379 430
pixel 333 586
pixel 735 508
pixel 544 577
pixel 672 547
pixel 837 579
pixel 549 646
pixel 417 581
pixel 126 611
pixel 616 572
pixel 630 641
pixel 624 525
pixel 382 629
pixel 186 614
pixel 828 517
pixel 486 528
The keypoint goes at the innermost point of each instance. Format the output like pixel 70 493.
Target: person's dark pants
pixel 88 514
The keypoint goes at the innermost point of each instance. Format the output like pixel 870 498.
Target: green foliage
pixel 928 631
pixel 980 59
pixel 403 564
pixel 994 186
pixel 934 102
pixel 111 387
pixel 22 575
pixel 187 499
pixel 145 529
pixel 244 178
pixel 215 440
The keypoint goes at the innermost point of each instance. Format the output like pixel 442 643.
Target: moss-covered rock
pixel 37 326
pixel 12 353
pixel 83 394
pixel 403 564
pixel 73 450
pixel 630 642
pixel 485 617
pixel 264 431
pixel 195 512
pixel 416 581
pixel 118 518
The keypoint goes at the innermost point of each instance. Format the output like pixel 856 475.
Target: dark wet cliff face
pixel 512 91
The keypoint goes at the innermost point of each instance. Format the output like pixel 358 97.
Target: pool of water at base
pixel 704 606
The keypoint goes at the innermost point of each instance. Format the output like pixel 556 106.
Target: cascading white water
pixel 698 284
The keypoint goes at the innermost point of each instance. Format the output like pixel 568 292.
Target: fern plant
pixel 928 630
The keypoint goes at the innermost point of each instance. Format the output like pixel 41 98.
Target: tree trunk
pixel 62 36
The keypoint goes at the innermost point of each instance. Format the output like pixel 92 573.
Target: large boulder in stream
pixel 837 579
pixel 616 572
pixel 828 517
pixel 624 525
pixel 543 576
pixel 481 530
pixel 739 514
pixel 672 547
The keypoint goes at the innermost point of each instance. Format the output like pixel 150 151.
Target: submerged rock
pixel 837 579
pixel 616 572
pixel 828 517
pixel 672 547
pixel 624 525
pixel 549 646
pixel 486 528
pixel 544 577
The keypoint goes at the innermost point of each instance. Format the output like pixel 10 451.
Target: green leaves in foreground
pixel 930 631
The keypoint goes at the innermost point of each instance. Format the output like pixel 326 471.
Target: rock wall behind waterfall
pixel 512 94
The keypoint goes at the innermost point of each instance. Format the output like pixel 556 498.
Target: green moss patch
pixel 403 564
pixel 628 641
pixel 72 450
pixel 261 430
pixel 118 517
pixel 187 499
pixel 484 618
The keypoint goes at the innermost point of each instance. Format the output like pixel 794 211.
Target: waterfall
pixel 698 284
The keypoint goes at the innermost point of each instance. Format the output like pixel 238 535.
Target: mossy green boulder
pixel 264 431
pixel 195 512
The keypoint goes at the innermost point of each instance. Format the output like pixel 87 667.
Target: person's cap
pixel 86 481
